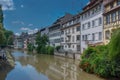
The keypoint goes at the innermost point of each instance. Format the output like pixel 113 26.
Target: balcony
pixel 92 43
pixel 89 42
pixel 68 34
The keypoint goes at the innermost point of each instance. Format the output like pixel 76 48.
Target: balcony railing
pixel 88 42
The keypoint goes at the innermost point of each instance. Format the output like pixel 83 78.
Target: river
pixel 44 67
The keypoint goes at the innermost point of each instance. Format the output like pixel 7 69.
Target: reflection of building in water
pixel 64 72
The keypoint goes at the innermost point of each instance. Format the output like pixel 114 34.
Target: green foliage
pixel 9 37
pixel 2 37
pixel 6 37
pixel 94 60
pixel 50 50
pixel 103 60
pixel 42 47
pixel 58 48
pixel 114 45
pixel 1 14
pixel 30 47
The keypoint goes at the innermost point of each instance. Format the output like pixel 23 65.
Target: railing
pixel 88 42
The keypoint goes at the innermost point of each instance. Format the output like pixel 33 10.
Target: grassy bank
pixel 10 59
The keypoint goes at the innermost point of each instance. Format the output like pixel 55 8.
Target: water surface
pixel 45 67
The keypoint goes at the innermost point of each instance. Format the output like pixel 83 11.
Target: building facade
pixel 44 31
pixel 55 30
pixel 18 43
pixel 92 24
pixel 70 35
pixel 111 18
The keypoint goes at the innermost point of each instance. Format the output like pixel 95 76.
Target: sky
pixel 32 15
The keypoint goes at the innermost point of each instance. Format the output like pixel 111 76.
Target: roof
pixel 62 20
pixel 91 5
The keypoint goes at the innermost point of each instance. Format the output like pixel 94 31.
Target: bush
pixel 58 48
pixel 94 60
pixel 30 47
pixel 103 60
pixel 50 50
pixel 114 46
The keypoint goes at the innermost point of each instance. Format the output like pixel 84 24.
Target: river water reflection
pixel 44 67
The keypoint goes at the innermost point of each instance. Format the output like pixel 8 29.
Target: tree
pixel 9 37
pixel 114 45
pixel 2 37
pixel 42 47
pixel 30 47
pixel 1 14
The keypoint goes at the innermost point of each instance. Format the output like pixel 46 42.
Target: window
pixel 88 13
pixel 62 39
pixel 119 14
pixel 100 21
pixel 93 37
pixel 69 31
pixel 118 2
pixel 111 5
pixel 69 46
pixel 73 46
pixel 100 35
pixel 83 27
pixel 99 7
pixel 107 34
pixel 62 32
pixel 93 23
pixel 83 37
pixel 78 28
pixel 85 15
pixel 108 19
pixel 113 16
pixel 73 38
pixel 82 16
pixel 78 47
pixel 65 46
pixel 88 25
pixel 96 22
pixel 86 37
pixel 72 30
pixel 78 37
pixel 93 11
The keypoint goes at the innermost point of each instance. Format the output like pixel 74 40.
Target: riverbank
pixel 9 61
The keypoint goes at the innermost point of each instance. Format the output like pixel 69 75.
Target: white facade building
pixel 71 35
pixel 44 31
pixel 92 24
pixel 55 30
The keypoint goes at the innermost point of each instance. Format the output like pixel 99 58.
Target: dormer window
pixel 111 6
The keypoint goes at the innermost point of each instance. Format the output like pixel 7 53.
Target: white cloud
pixel 30 24
pixel 17 34
pixel 18 22
pixel 25 29
pixel 7 4
pixel 30 31
pixel 22 6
